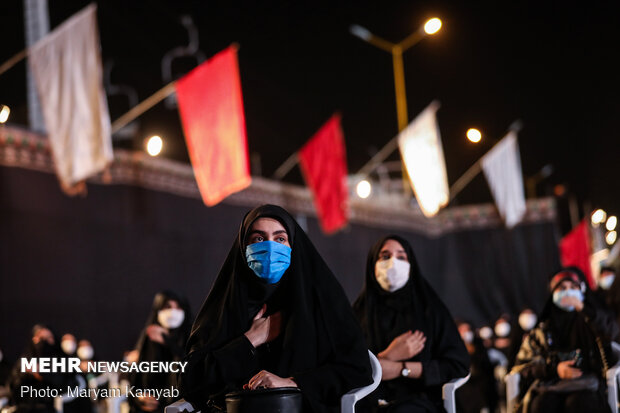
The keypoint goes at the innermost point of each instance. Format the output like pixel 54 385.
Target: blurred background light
pixel 363 189
pixel 598 217
pixel 432 26
pixel 154 145
pixel 474 135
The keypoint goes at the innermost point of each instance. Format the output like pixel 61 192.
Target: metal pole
pixel 290 162
pixel 399 87
pixel 18 57
pixel 466 178
pixel 143 106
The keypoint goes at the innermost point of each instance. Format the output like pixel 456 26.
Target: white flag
pixel 502 168
pixel 67 69
pixel 421 150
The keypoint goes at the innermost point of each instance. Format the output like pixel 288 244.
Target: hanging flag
pixel 211 109
pixel 575 250
pixel 323 162
pixel 502 169
pixel 66 65
pixel 422 153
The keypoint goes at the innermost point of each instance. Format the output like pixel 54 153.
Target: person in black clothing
pixel 608 292
pixel 410 329
pixel 275 317
pixel 564 359
pixel 41 344
pixel 480 391
pixel 163 339
pixel 526 322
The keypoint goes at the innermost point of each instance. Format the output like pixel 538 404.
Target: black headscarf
pixel 571 330
pixel 385 315
pixel 173 348
pixel 321 344
pixel 178 336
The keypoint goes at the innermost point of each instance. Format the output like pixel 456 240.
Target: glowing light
pixel 363 189
pixel 610 237
pixel 598 217
pixel 432 26
pixel 611 223
pixel 474 135
pixel 154 145
pixel 4 113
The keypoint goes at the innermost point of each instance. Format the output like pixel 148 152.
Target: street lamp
pixel 431 27
pixel 474 135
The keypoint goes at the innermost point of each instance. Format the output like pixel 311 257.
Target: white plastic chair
pixel 60 401
pixel 448 391
pixel 513 379
pixel 117 404
pixel 347 402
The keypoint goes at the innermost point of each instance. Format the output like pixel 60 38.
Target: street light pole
pixel 432 26
pixel 397 50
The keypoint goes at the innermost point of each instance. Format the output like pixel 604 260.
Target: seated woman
pixel 275 317
pixel 163 339
pixel 410 329
pixel 563 360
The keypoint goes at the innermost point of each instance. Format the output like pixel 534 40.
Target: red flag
pixel 211 110
pixel 575 250
pixel 324 165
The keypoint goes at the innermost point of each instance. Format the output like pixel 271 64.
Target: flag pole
pixel 285 168
pixel 143 106
pixel 151 101
pixel 379 157
pixel 476 168
pixel 18 57
pixel 465 179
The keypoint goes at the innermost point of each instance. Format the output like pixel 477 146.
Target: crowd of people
pixel 277 318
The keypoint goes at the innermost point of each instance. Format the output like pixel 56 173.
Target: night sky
pixel 553 65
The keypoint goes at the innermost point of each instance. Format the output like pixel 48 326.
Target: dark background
pixel 552 65
pixel 91 266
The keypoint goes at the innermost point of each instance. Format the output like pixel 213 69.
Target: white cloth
pixel 502 169
pixel 67 69
pixel 421 150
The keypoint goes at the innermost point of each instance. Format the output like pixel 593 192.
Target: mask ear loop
pixel 583 287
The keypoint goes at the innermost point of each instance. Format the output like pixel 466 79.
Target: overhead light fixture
pixel 599 216
pixel 363 189
pixel 154 145
pixel 5 111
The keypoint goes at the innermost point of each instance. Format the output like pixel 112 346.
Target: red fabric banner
pixel 575 250
pixel 323 162
pixel 211 110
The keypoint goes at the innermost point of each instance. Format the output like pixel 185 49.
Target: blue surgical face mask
pixel 268 259
pixel 558 295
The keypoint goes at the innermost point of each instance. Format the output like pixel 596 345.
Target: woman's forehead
pixel 392 245
pixel 267 224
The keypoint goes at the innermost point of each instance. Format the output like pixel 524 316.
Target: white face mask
pixel 485 333
pixel 171 317
pixel 468 336
pixel 85 353
pixel 502 329
pixel 606 281
pixel 68 346
pixel 392 274
pixel 527 321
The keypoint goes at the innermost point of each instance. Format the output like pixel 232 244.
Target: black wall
pixel 91 266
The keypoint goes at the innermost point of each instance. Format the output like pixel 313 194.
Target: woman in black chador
pixel 275 317
pixel 410 329
pixel 563 360
pixel 163 339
